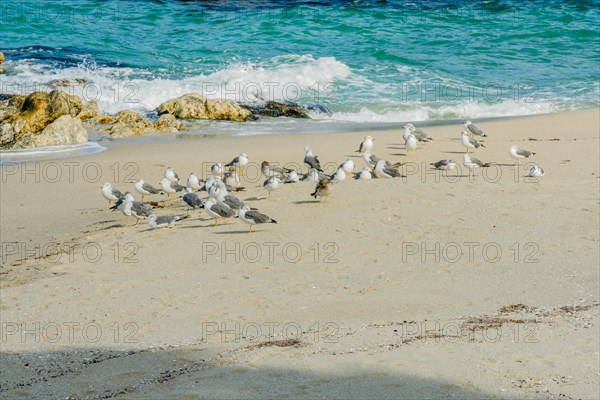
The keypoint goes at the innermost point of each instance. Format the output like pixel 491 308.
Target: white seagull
pixel 193 182
pixel 473 129
pixel 518 153
pixel 252 217
pixel 109 193
pixel 383 170
pixel 536 171
pixel 411 143
pixel 164 220
pixel 348 166
pixel 271 184
pixel 364 173
pixel 171 175
pixel 145 189
pixel 468 142
pixel 444 164
pixel 366 145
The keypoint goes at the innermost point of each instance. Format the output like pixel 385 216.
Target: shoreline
pixel 371 282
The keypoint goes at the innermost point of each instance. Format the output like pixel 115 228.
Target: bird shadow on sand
pixel 255 198
pixel 398 154
pixel 454 152
pixel 306 201
pixel 234 232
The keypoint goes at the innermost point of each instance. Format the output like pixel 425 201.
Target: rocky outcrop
pixel 64 130
pixel 29 121
pixel 1 62
pixel 129 123
pixel 194 106
pixel 275 109
pixel 168 123
pixel 39 108
pixel 89 110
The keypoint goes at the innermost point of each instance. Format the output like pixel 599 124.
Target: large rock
pixel 275 109
pixel 168 123
pixel 89 110
pixel 39 108
pixel 64 130
pixel 1 62
pixel 129 123
pixel 194 106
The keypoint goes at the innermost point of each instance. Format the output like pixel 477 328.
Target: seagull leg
pixel 137 221
pixel 216 221
pixel 250 230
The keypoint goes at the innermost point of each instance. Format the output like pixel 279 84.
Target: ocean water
pixel 368 62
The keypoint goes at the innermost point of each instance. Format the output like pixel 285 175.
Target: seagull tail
pixel 487 164
pixel 273 221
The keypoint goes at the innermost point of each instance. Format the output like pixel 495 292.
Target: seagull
pixel 271 184
pixel 291 177
pixel 411 143
pixel 418 133
pixel 382 170
pixel 217 169
pixel 536 170
pixel 209 182
pixel 323 188
pixel 191 199
pixel 145 189
pixel 311 160
pixel 366 145
pixel 193 182
pixel 164 220
pixel 128 206
pixel 469 143
pixel 269 170
pixel 364 173
pixel 347 166
pixel 217 209
pixel 252 217
pixel 473 129
pixel 230 200
pixel 109 193
pixel 473 163
pixel 372 159
pixel 444 164
pixel 239 162
pixel 171 175
pixel 338 175
pixel 233 179
pixel 170 187
pixel 517 153
pixel 313 176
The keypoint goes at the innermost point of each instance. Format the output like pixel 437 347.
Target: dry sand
pixel 365 295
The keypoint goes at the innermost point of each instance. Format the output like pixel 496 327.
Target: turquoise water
pixel 380 61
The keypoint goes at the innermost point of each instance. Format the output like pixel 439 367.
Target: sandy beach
pixel 435 285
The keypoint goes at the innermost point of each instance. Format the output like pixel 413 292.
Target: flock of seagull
pixel 225 179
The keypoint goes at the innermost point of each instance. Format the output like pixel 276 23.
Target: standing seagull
pixel 171 175
pixel 411 144
pixel 323 188
pixel 473 129
pixel 311 160
pixel 518 153
pixel 164 220
pixel 145 189
pixel 217 209
pixel 271 184
pixel 372 159
pixel 191 199
pixel 469 143
pixel 254 217
pixel 338 175
pixel 473 163
pixel 217 169
pixel 109 193
pixel 418 133
pixel 382 170
pixel 230 200
pixel 170 187
pixel 131 208
pixel 193 182
pixel 239 162
pixel 366 145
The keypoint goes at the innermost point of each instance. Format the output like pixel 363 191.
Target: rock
pixel 1 57
pixel 64 130
pixel 40 109
pixel 194 106
pixel 105 119
pixel 89 110
pixel 16 101
pixel 275 109
pixel 168 123
pixel 66 83
pixel 129 123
